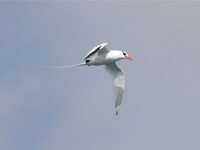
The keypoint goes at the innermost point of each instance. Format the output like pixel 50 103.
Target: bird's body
pixel 107 58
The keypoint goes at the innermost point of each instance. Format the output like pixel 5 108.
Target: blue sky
pixel 73 108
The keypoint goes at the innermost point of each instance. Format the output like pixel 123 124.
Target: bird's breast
pixel 104 59
pixel 112 57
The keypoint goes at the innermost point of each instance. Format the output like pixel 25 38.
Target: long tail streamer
pixel 55 67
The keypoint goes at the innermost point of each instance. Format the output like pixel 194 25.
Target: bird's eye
pixel 124 53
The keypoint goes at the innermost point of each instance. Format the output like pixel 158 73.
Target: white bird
pixel 107 58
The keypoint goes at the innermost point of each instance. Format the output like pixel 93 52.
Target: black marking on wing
pixel 96 50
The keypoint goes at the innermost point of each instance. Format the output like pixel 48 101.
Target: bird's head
pixel 126 56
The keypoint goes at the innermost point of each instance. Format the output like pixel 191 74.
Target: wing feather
pixel 118 77
pixel 100 49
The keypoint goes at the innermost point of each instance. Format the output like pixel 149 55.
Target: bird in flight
pixel 107 58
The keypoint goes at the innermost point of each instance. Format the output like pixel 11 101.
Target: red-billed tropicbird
pixel 107 58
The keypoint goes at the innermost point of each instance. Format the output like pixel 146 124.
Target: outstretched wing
pixel 100 49
pixel 118 77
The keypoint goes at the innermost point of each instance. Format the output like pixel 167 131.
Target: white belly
pixel 99 60
pixel 104 59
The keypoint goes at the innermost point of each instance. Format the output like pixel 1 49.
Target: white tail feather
pixel 55 67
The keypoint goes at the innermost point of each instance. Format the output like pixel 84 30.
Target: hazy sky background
pixel 73 108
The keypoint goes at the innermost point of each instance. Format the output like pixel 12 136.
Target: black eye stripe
pixel 124 53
